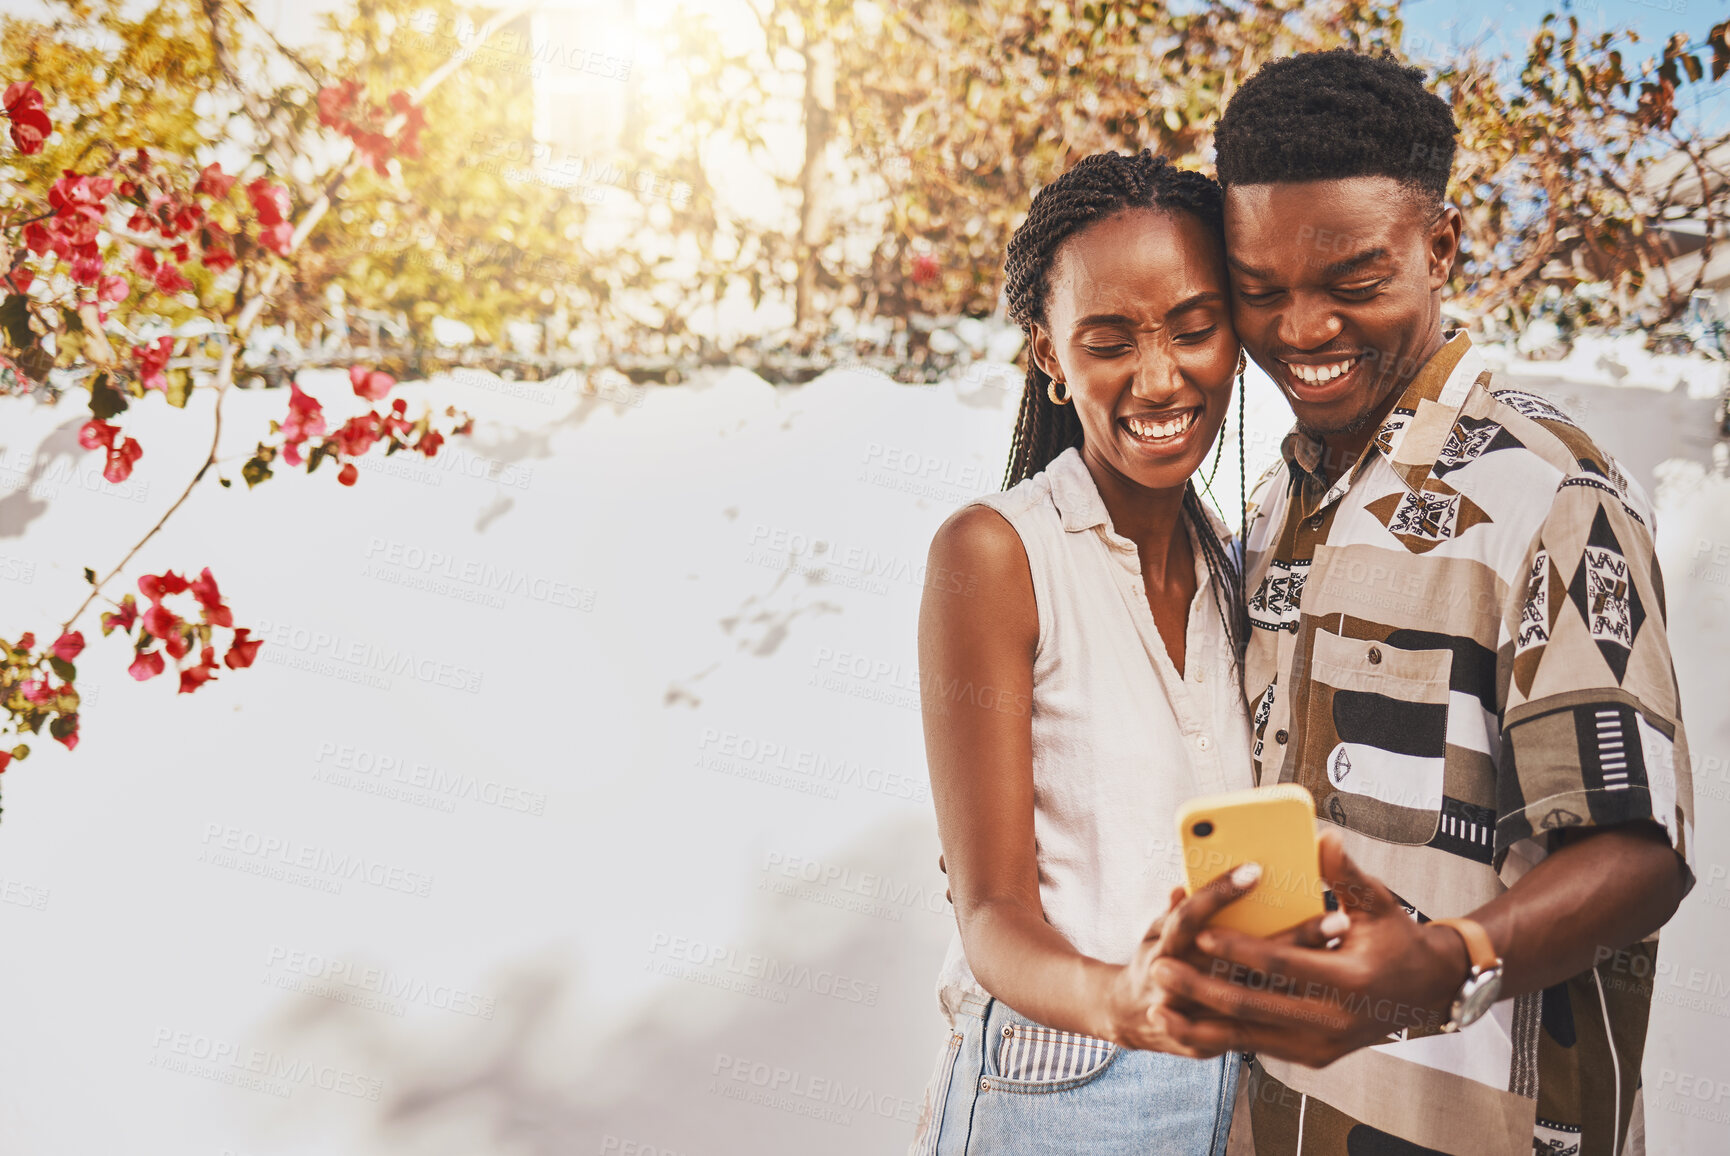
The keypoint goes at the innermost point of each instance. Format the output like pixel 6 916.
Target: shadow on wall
pixel 59 456
pixel 690 1072
pixel 1640 428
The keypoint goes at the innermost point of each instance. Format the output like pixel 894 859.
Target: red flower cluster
pixel 42 696
pixel 305 420
pixel 270 202
pixel 71 230
pixel 152 361
pixel 30 123
pixel 356 436
pixel 340 108
pixel 178 636
pixel 122 452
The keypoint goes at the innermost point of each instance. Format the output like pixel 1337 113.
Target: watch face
pixel 1477 996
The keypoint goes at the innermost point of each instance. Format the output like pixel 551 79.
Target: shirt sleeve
pixel 1592 726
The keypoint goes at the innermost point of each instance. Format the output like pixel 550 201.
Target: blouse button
pixel 1280 737
pixel 1375 655
pixel 1203 742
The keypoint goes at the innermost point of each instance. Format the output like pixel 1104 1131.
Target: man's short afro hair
pixel 1331 115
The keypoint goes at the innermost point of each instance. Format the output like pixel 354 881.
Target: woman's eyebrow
pixel 1205 297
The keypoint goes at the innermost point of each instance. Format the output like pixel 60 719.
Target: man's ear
pixel 1044 353
pixel 1444 244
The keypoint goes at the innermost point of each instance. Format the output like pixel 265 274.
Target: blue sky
pixel 1433 26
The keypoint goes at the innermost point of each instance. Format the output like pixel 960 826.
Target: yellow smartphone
pixel 1272 826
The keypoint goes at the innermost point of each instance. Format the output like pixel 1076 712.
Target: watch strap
pixel 1478 946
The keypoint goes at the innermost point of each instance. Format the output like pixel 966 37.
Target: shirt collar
pixel 1079 506
pixel 1411 437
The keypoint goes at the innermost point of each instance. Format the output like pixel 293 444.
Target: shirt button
pixel 1198 675
pixel 1008 1031
pixel 984 1085
pixel 1280 737
pixel 1203 742
pixel 1375 655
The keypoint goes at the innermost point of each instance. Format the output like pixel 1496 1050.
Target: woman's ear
pixel 1044 354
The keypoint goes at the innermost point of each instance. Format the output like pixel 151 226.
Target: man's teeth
pixel 1161 429
pixel 1318 374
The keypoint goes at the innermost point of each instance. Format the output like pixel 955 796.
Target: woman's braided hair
pixel 1096 188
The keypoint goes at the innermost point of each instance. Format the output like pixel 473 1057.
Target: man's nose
pixel 1308 324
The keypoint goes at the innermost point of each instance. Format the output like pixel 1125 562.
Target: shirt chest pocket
pixel 1376 736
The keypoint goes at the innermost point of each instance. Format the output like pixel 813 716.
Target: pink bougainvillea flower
pixel 334 101
pixel 213 182
pixel 430 442
pixel 69 645
pixel 113 289
pixel 148 664
pixel 5 757
pixel 305 420
pixel 121 459
pixel 27 640
pixel 348 475
pixel 37 690
pixel 169 278
pixel 153 360
pixel 158 586
pixel 194 677
pixel 925 269
pixel 30 123
pixel 177 644
pixel 96 432
pixel 371 384
pixel 408 138
pixel 243 650
pixel 277 238
pixel 21 278
pixel 204 589
pixel 36 237
pixel 269 201
pixel 357 435
pixel 123 618
pixel 162 622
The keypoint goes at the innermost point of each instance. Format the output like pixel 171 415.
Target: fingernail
pixel 1246 875
pixel 1335 923
pixel 1208 942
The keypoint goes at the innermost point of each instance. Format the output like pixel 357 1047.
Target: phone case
pixel 1272 826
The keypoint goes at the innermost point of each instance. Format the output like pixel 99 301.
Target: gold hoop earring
pixel 1051 392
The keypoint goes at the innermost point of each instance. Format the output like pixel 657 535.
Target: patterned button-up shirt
pixel 1460 648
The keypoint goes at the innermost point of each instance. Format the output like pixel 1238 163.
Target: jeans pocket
pixel 1034 1058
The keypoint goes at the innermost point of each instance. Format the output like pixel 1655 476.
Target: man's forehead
pixel 1329 222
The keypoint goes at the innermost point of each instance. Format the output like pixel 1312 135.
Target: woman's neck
pixel 1152 519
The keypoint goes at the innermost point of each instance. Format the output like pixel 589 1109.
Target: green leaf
pixel 179 387
pixel 255 471
pixel 90 575
pixel 105 400
pixel 64 669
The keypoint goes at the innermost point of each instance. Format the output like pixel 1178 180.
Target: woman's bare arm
pixel 976 644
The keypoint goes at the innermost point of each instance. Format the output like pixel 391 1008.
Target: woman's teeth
pixel 1320 374
pixel 1161 429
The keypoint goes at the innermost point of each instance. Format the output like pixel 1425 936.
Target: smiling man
pixel 1461 651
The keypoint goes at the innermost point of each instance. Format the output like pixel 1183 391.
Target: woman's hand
pixel 1141 1013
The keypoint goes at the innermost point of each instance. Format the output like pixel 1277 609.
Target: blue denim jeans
pixel 1006 1086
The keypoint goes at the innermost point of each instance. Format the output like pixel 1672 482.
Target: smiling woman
pixel 1106 600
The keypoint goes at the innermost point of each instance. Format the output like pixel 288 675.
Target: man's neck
pixel 1341 451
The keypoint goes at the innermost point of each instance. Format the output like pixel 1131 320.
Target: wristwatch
pixel 1484 984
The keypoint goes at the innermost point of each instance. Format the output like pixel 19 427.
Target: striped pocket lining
pixel 1035 1054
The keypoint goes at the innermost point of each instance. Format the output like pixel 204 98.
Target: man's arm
pixel 1602 890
